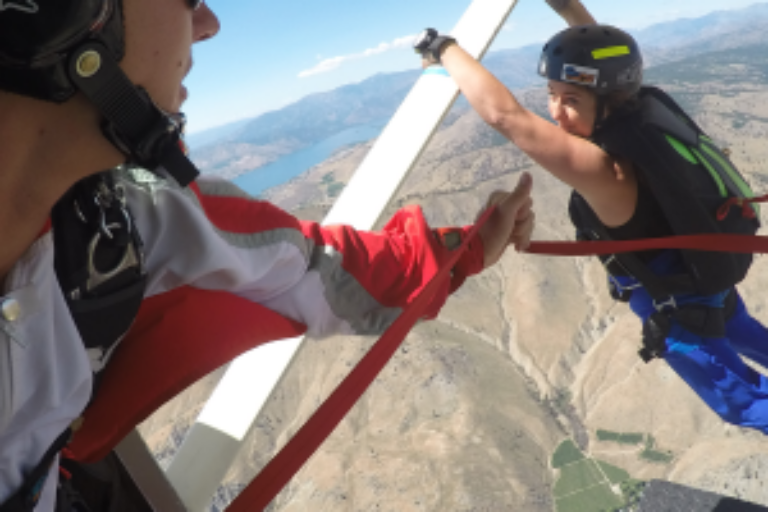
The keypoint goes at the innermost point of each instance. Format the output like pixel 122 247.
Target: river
pixel 295 164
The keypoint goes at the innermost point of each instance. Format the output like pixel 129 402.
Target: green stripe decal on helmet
pixel 613 51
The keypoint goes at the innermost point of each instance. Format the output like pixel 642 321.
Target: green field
pixel 656 456
pixel 619 437
pixel 614 474
pixel 652 455
pixel 596 499
pixel 581 484
pixel 566 453
pixel 576 476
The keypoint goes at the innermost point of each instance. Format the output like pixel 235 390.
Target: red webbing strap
pixel 279 471
pixel 308 439
pixel 718 243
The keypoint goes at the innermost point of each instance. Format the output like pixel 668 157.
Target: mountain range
pixel 246 145
pixel 527 392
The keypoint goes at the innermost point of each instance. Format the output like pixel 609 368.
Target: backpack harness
pixel 696 187
pixel 99 263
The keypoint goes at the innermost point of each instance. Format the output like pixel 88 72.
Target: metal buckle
pixel 613 259
pixel 669 303
pixel 620 286
pixel 96 278
pixel 107 198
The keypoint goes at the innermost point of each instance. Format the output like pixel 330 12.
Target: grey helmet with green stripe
pixel 600 57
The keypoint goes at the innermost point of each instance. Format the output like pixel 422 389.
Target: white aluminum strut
pixel 215 439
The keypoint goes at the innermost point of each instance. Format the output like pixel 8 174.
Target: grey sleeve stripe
pixel 220 188
pixel 255 240
pixel 346 296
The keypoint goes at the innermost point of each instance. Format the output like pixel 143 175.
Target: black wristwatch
pixel 429 44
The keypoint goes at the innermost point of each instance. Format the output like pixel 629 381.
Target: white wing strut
pixel 214 441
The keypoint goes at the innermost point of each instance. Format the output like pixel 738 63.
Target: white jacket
pixel 211 236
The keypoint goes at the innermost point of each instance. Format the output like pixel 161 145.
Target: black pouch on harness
pixel 655 332
pixel 101 487
pixel 701 320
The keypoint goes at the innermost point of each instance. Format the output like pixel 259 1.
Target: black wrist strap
pixel 435 48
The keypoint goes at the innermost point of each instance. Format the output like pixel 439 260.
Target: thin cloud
pixel 335 62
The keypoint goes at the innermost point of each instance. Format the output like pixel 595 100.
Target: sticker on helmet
pixel 27 6
pixel 580 75
pixel 543 66
pixel 632 74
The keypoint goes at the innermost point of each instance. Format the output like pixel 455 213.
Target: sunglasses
pixel 195 4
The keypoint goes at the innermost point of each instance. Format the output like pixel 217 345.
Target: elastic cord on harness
pixel 600 104
pixel 744 203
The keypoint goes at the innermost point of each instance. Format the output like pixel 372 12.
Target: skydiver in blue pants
pixel 712 367
pixel 640 168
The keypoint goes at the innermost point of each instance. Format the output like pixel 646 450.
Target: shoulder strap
pixel 660 288
pixel 665 99
pixel 99 263
pixel 25 500
pixel 669 119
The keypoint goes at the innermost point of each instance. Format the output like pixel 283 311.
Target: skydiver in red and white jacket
pixel 203 245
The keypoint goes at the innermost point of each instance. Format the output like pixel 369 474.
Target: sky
pixel 272 53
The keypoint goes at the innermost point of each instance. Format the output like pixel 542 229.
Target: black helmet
pixel 52 49
pixel 600 57
pixel 37 37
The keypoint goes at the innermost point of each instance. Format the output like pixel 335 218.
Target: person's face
pixel 159 37
pixel 572 107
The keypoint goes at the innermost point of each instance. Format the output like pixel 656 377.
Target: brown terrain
pixel 531 353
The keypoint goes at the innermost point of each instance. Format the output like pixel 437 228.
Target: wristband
pixel 429 44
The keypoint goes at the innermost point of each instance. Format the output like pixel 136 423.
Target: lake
pixel 295 164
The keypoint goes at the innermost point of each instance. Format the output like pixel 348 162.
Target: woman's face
pixel 159 38
pixel 573 108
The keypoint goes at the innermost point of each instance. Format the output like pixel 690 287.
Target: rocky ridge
pixel 531 353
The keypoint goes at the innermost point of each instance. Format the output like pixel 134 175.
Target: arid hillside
pixel 527 393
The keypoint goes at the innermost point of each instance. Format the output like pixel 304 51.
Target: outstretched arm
pixel 573 12
pixel 573 160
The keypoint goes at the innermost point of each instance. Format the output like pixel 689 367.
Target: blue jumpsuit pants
pixel 712 367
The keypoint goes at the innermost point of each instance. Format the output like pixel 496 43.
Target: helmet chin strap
pixel 150 137
pixel 600 105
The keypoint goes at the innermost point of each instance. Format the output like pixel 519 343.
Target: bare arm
pixel 573 12
pixel 606 185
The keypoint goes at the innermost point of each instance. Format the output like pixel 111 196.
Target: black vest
pixel 691 180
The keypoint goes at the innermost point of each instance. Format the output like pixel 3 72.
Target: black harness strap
pixel 26 498
pixel 100 268
pixel 134 123
pixel 99 263
pixel 699 319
